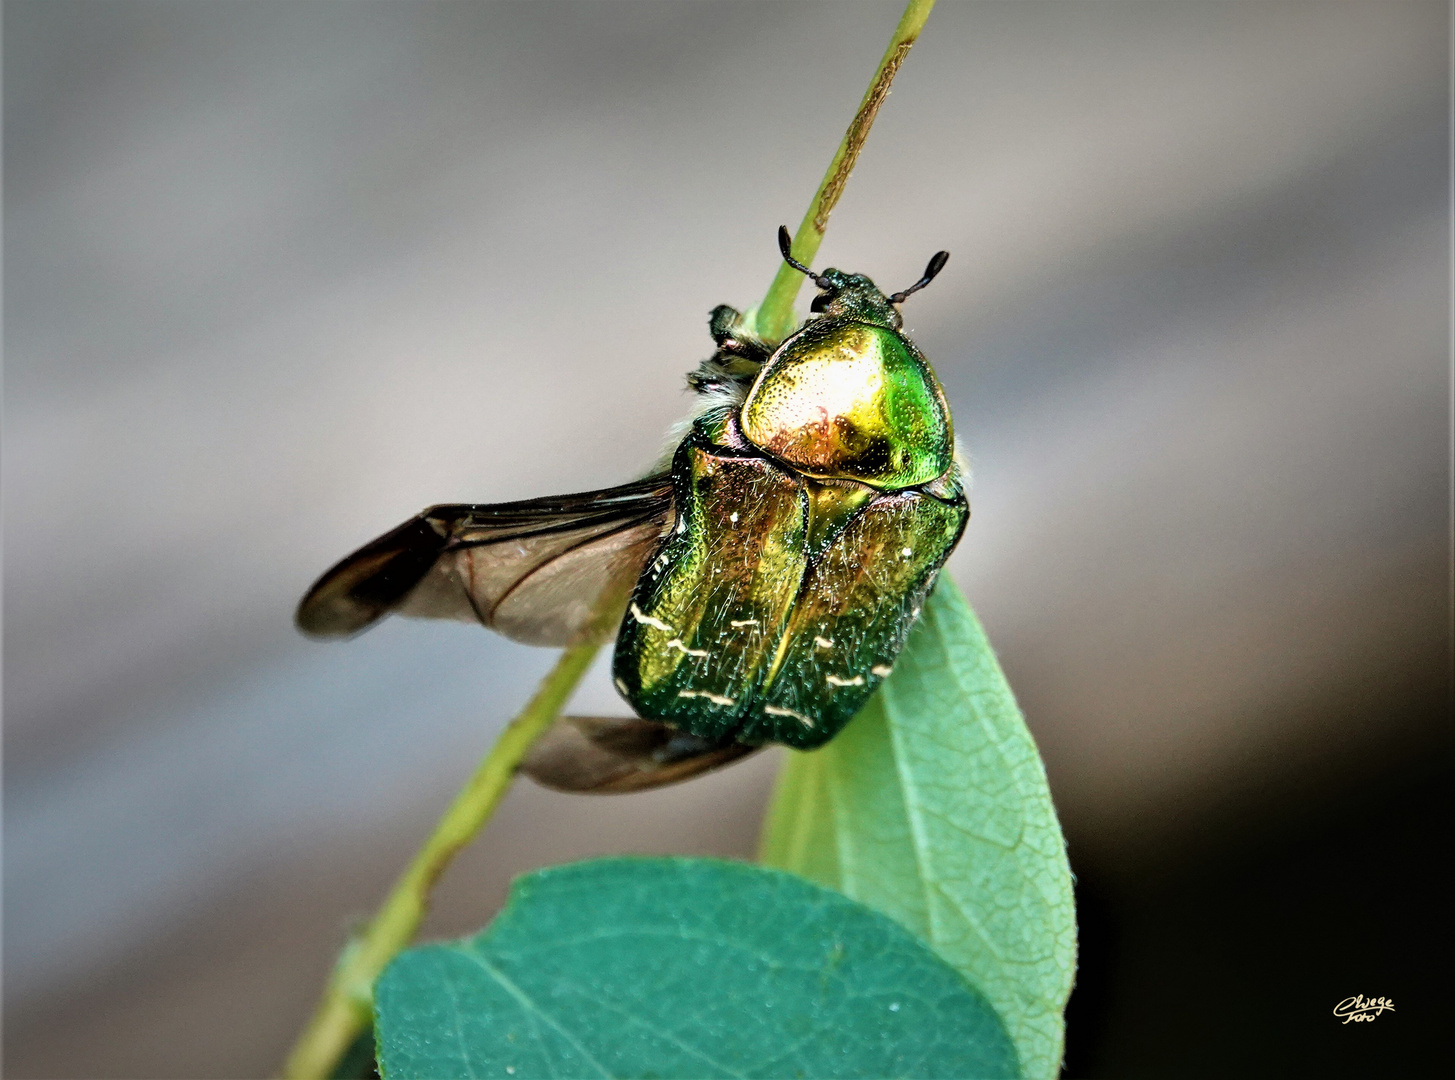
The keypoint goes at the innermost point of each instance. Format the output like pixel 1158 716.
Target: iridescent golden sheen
pixel 778 603
pixel 853 612
pixel 843 399
pixel 707 610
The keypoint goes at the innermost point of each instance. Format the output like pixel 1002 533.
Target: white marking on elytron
pixel 882 670
pixel 733 517
pixel 906 552
pixel 620 685
pixel 647 620
pixel 774 710
pixel 823 642
pixel 676 643
pixel 716 699
pixel 834 680
pixel 738 624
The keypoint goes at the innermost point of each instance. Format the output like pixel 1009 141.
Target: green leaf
pixel 932 806
pixel 682 967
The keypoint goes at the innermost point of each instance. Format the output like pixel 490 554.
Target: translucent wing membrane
pixel 608 755
pixel 532 570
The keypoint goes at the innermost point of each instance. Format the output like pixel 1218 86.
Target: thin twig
pixel 775 314
pixel 345 1010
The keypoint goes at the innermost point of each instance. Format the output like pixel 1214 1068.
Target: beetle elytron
pixel 779 563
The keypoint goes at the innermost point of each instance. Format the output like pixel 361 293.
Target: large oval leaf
pixel 683 967
pixel 932 806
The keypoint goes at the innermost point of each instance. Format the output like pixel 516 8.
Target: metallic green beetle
pixel 779 563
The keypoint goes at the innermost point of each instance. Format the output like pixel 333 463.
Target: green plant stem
pixel 344 1011
pixel 775 319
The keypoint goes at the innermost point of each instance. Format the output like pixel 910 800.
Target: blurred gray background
pixel 278 275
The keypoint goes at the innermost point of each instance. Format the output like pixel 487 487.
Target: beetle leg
pixel 740 355
pixel 734 337
pixel 716 376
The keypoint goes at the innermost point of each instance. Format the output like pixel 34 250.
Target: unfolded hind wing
pixel 608 755
pixel 533 570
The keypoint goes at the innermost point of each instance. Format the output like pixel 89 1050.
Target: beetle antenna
pixel 785 245
pixel 937 263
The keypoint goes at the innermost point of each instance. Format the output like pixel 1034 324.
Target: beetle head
pixel 854 296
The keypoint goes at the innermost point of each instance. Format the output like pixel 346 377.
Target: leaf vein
pixel 532 1008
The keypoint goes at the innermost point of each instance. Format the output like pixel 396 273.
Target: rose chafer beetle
pixel 779 561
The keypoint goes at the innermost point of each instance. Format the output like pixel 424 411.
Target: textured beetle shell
pixel 778 603
pixel 844 399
